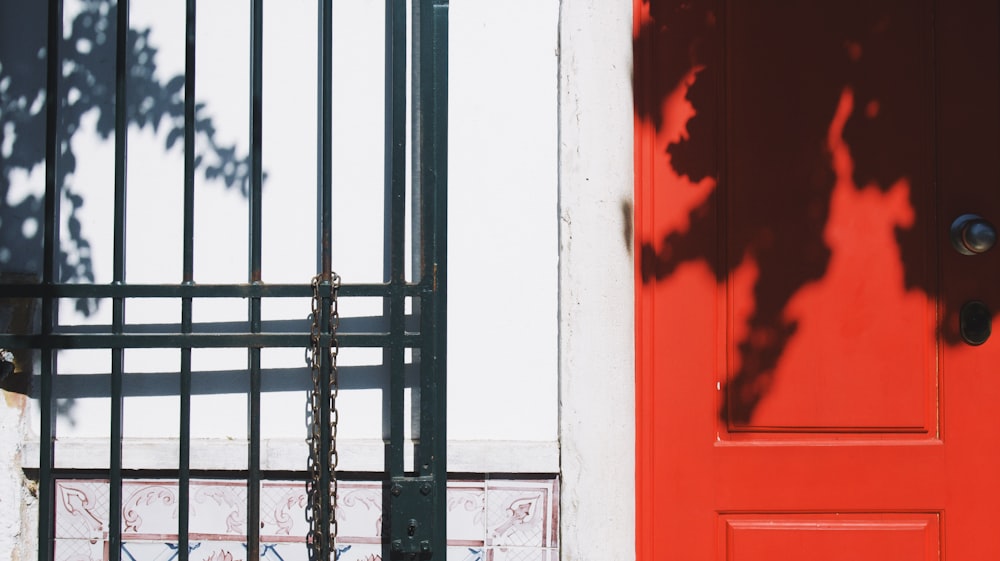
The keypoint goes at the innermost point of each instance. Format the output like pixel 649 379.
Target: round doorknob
pixel 971 234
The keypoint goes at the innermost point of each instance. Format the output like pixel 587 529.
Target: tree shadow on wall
pixel 807 75
pixel 87 55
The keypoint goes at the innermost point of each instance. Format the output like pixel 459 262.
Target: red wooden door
pixel 803 387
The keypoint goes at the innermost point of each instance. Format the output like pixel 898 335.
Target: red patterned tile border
pixel 489 519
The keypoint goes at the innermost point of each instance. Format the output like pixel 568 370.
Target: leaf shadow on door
pixel 827 119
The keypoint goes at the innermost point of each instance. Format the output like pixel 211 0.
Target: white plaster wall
pixel 503 236
pixel 596 281
pixel 503 246
pixel 17 531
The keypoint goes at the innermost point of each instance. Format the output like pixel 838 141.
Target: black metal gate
pixel 414 523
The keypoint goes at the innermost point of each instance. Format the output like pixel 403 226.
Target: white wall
pixel 503 258
pixel 596 281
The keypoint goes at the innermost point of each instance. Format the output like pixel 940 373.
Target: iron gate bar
pixel 395 208
pixel 184 452
pixel 431 56
pixel 433 105
pixel 323 520
pixel 46 437
pixel 394 264
pixel 197 340
pixel 191 290
pixel 255 222
pixel 415 504
pixel 121 11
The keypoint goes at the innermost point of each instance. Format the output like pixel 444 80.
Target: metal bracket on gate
pixel 411 502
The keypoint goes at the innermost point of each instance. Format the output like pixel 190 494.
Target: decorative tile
pixel 521 554
pixel 149 551
pixel 359 512
pixel 283 511
pixel 466 554
pixel 80 550
pixel 218 508
pixel 284 551
pixel 218 551
pixel 466 503
pixel 359 552
pixel 494 520
pixel 522 513
pixel 149 510
pixel 81 509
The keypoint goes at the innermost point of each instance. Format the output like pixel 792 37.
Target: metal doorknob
pixel 971 234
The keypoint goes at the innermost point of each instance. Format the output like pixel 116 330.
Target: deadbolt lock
pixel 972 234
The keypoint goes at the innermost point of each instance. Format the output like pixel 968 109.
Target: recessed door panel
pixel 831 537
pixel 828 206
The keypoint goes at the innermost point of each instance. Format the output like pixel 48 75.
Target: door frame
pixel 596 281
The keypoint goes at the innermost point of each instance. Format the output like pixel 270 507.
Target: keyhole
pixel 411 529
pixel 975 323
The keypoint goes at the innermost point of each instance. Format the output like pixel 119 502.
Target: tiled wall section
pixel 488 520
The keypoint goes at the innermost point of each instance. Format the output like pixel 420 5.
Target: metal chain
pixel 315 440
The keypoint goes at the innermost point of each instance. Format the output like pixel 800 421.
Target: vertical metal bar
pixel 324 251
pixel 394 240
pixel 325 137
pixel 118 275
pixel 327 516
pixel 47 436
pixel 256 186
pixel 431 53
pixel 184 468
pixel 440 331
pixel 395 219
pixel 256 118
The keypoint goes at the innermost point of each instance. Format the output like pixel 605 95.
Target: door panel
pixel 802 385
pixel 830 537
pixel 828 165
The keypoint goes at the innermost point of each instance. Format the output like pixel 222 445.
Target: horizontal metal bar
pixel 193 290
pixel 198 340
pixel 362 324
pixel 87 385
pixel 170 476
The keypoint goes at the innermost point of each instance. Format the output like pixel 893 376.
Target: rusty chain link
pixel 315 440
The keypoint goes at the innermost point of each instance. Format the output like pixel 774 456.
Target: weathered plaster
pixel 17 503
pixel 596 362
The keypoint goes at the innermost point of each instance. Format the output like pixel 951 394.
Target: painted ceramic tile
pixel 149 510
pixel 466 503
pixel 80 550
pixel 81 509
pixel 149 551
pixel 466 554
pixel 493 520
pixel 283 511
pixel 218 509
pixel 218 551
pixel 359 552
pixel 521 554
pixel 284 551
pixel 359 512
pixel 522 513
